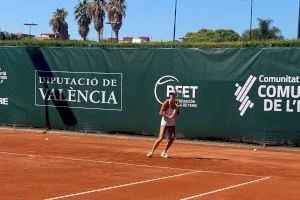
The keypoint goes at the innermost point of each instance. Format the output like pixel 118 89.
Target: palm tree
pixel 116 11
pixel 263 32
pixel 266 32
pixel 58 23
pixel 96 10
pixel 83 18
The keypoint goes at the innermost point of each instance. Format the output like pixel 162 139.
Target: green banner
pixel 247 94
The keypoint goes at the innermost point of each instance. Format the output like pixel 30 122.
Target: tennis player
pixel 169 111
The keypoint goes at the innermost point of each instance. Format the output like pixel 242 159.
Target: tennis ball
pixel 254 150
pixel 46 139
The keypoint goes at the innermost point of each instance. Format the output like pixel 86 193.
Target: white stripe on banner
pixel 244 88
pixel 245 108
pixel 244 103
pixel 238 90
pixel 248 88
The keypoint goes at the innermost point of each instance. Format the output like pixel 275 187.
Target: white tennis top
pixel 168 122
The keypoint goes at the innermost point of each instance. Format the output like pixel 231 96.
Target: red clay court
pixel 36 166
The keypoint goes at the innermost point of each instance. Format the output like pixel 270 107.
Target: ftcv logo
pixel 3 75
pixel 241 94
pixel 186 94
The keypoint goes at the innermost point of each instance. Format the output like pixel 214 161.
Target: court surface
pixel 37 166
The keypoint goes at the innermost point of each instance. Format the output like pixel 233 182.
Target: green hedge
pixel 107 44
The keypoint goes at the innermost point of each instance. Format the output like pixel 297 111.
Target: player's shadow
pixel 196 158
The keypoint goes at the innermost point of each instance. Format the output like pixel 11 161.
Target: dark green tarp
pixel 229 93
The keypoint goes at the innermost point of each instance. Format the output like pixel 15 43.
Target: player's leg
pixel 158 140
pixel 171 130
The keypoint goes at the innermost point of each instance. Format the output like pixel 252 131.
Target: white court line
pixel 151 180
pixel 129 164
pixel 222 189
pixel 120 186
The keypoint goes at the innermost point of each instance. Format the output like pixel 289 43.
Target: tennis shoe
pixel 164 154
pixel 150 154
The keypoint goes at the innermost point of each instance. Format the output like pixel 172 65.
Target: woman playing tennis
pixel 169 111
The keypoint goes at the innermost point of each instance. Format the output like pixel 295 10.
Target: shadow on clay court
pixel 196 158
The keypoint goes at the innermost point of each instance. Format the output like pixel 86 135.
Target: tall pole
pixel 175 15
pixel 251 14
pixel 30 24
pixel 299 21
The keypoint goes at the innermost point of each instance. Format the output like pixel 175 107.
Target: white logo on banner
pixel 241 94
pixel 161 81
pixel 186 94
pixel 84 90
pixel 4 101
pixel 3 75
pixel 280 93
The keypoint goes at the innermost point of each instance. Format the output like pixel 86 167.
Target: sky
pixel 154 18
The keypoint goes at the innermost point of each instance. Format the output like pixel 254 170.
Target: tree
pixel 116 10
pixel 58 23
pixel 264 31
pixel 255 35
pixel 96 10
pixel 2 36
pixel 207 35
pixel 83 18
pixel 8 36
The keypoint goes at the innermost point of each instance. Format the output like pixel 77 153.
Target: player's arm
pixel 163 109
pixel 175 112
